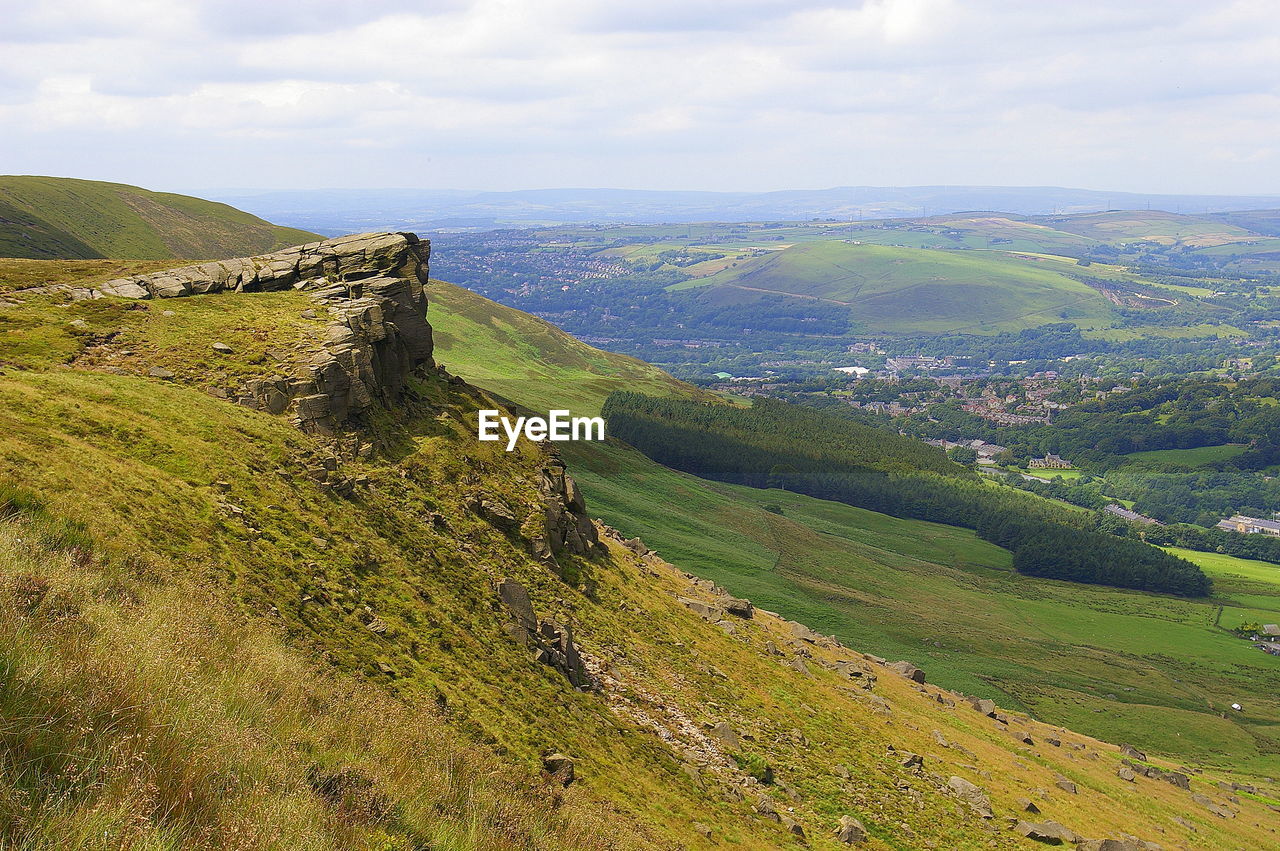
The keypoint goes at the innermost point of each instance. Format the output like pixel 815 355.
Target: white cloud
pixel 743 94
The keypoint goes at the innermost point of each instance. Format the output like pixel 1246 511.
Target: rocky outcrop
pixel 551 643
pixel 372 288
pixel 566 527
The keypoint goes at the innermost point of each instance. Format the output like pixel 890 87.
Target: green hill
pixel 530 361
pixel 222 630
pixel 63 218
pixel 896 289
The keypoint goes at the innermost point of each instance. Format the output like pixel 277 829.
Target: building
pixel 1051 462
pixel 1132 516
pixel 1249 525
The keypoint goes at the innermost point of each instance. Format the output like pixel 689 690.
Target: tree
pixel 963 454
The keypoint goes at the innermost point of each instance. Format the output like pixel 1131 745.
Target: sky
pixel 732 95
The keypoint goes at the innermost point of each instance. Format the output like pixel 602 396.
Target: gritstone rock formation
pixel 372 286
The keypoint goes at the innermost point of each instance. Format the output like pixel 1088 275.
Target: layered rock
pixel 372 287
pixel 567 526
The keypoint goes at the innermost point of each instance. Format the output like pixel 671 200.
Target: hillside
pixel 64 218
pixel 272 592
pixel 896 289
pixel 529 360
pixel 892 586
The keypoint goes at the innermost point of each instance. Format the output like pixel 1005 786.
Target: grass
pixel 62 218
pixel 1049 475
pixel 895 289
pixel 529 360
pixel 1187 458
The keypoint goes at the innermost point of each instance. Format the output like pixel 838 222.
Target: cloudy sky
pixel 186 95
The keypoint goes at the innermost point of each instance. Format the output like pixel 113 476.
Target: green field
pixel 1048 475
pixel 1187 458
pixel 895 289
pixel 62 218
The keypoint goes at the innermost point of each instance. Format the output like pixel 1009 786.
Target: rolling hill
pixel 63 218
pixel 530 361
pixel 896 289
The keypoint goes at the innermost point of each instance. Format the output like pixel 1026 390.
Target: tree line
pixel 809 451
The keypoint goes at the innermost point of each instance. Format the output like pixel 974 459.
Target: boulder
pixel 793 827
pixel 912 761
pixel 223 349
pixel 1133 753
pixel 850 831
pixel 737 607
pixel 1177 778
pixel 559 767
pixel 516 598
pixel 986 707
pixel 907 670
pixel 161 372
pixel 1048 832
pixel 1126 773
pixel 706 610
pixel 1065 785
pixel 727 736
pixel 971 795
pixel 1028 806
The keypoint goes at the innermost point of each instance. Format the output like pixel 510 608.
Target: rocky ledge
pixel 371 285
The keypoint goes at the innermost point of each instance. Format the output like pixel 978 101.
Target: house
pixel 1249 525
pixel 1050 461
pixel 1271 630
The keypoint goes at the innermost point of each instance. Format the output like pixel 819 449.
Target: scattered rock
pixel 1065 785
pixel 912 761
pixel 986 707
pixel 222 348
pixel 907 670
pixel 727 737
pixel 794 827
pixel 559 767
pixel 1028 806
pixel 737 608
pixel 1133 753
pixel 1126 773
pixel 1048 832
pixel 851 831
pixel 971 795
pixel 1177 778
pixel 162 373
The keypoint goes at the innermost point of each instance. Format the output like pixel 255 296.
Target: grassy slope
pixel 215 586
pixel 897 587
pixel 906 289
pixel 53 217
pixel 529 360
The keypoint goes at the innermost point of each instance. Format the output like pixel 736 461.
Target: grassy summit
pixel 64 218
